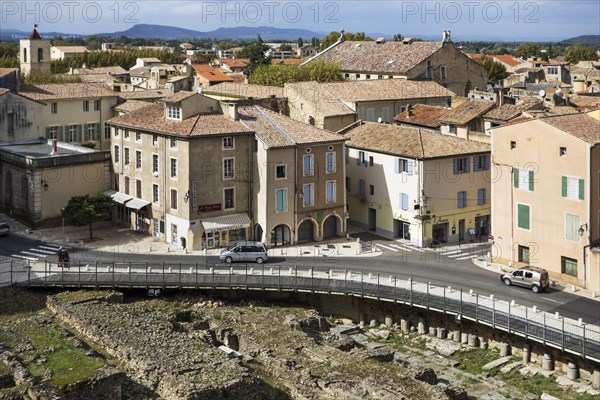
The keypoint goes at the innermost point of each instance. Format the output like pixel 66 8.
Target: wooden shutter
pixel 516 177
pixel 581 189
pixel 410 166
pixel 523 216
pixel 531 181
pixel 398 161
pixel 47 132
pixel 564 186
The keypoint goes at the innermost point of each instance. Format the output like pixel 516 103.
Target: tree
pixel 334 36
pixel 315 42
pixel 495 70
pixel 577 53
pixel 527 50
pixel 256 55
pixel 300 42
pixel 398 37
pixel 278 75
pixel 87 209
pixel 285 47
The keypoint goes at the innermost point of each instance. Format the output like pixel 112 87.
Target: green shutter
pixel 564 186
pixel 516 176
pixel 581 189
pixel 569 227
pixel 47 132
pixel 97 132
pixel 63 132
pixel 531 181
pixel 523 216
pixel 79 129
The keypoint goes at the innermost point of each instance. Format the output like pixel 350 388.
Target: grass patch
pixel 539 384
pixel 472 361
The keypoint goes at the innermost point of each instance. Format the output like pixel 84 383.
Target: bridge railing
pixel 553 330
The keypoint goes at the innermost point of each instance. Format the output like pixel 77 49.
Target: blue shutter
pixel 361 187
pixel 97 131
pixel 397 165
pixel 366 163
pixel 410 166
pixel 467 162
pixel 404 201
pixel 461 199
pixel 455 166
pixel 487 162
pixel 481 196
pixel 358 158
pixel 476 166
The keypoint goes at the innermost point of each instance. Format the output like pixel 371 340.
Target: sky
pixel 510 20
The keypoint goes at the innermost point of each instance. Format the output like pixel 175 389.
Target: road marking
pixel 48 247
pixel 466 257
pixel 24 257
pixel 400 247
pixel 386 247
pixel 552 300
pixel 33 252
pixel 42 251
pixel 448 253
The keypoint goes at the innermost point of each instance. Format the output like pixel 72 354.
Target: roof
pixel 108 70
pixel 152 118
pixel 510 111
pixel 6 71
pixel 235 62
pixel 149 59
pixel 410 142
pixel 389 57
pixel 130 105
pixel 245 90
pixel 71 49
pixel 508 59
pixel 3 91
pixel 179 96
pixel 583 101
pixel 278 131
pixel 466 112
pixel 145 94
pixel 65 91
pixel 423 115
pixel 211 74
pixel 34 35
pixel 288 61
pixel 580 125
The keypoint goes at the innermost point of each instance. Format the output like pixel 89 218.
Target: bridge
pixel 570 336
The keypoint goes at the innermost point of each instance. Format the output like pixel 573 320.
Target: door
pixel 372 219
pixel 330 228
pixel 440 232
pixel 461 230
pixel 280 236
pixel 155 227
pixel 305 231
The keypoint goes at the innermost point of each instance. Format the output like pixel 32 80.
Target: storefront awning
pixel 226 222
pixel 136 203
pixel 118 197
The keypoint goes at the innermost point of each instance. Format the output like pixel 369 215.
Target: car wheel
pixel 259 260
pixel 535 289
pixel 228 260
pixel 507 282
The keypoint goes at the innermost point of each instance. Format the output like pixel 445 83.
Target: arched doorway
pixel 330 227
pixel 306 231
pixel 281 236
pixel 258 233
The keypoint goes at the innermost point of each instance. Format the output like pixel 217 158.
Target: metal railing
pixel 553 330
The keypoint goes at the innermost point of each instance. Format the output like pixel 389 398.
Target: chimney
pixel 408 111
pixel 54 147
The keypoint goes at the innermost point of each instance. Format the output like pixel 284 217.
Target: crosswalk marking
pixel 34 253
pixel 24 257
pixel 386 247
pixel 400 247
pixel 450 253
pixel 48 247
pixel 38 252
pixel 467 257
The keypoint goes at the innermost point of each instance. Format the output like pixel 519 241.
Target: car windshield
pixel 231 247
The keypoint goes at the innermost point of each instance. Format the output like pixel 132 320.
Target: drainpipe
pixel 250 186
pixel 296 194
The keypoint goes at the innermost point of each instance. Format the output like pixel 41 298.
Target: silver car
pixel 245 251
pixel 4 228
pixel 530 277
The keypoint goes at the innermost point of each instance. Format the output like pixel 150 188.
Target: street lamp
pixel 582 229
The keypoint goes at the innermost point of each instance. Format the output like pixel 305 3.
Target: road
pixel 440 269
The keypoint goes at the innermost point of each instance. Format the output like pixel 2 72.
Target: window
pixel 228 172
pixel 116 153
pixel 362 158
pixel 154 139
pixel 357 76
pixel 173 143
pixel 368 77
pixel 309 195
pixel 513 145
pixel 552 70
pixel 126 155
pixel 563 151
pixel 523 179
pixel 71 135
pixel 429 70
pixel 96 105
pixel 347 76
pixel 126 185
pixel 481 197
pixel 346 154
pixel 461 165
pixel 281 200
pixel 371 190
pixel 452 128
pixel 568 266
pixel 348 184
pixel 173 112
pixel 228 142
pixel 173 233
pixel 173 168
pixel 443 72
pixel 86 106
pixel 280 171
pixel 90 132
pixel 523 254
pixel 228 195
pixel 330 162
pixel 138 159
pixel 371 161
pixel 126 134
pixel 138 188
pixel 174 199
pixel 330 186
pixel 379 76
pixel 462 199
pixel 155 193
pixel 370 114
pixel 138 137
pixel 308 169
pixel 523 216
pixel 573 188
pixel 155 164
pixel 53 132
pixel 107 132
pixel 403 165
pixel 54 108
pixel 481 162
pixel 361 187
pixel 572 227
pixel 385 114
pixel 403 201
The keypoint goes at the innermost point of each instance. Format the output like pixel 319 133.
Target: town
pixel 416 145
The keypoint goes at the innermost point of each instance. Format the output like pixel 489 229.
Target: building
pixel 63 52
pixel 334 106
pixel 298 183
pixel 422 116
pixel 9 79
pixel 437 61
pixel 181 172
pixel 508 112
pixel 21 119
pixel 465 120
pixel 74 112
pixel 207 76
pixel 417 185
pixel 234 64
pixel 545 197
pixel 37 179
pixel 34 54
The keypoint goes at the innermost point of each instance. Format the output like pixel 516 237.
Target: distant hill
pixel 589 40
pixel 14 34
pixel 146 31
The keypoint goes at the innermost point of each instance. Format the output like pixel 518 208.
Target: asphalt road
pixel 424 267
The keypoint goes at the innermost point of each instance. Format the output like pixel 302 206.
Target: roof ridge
pixel 279 128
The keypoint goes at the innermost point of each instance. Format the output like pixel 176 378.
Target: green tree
pixel 577 53
pixel 334 36
pixel 529 49
pixel 285 47
pixel 300 42
pixel 495 70
pixel 87 209
pixel 256 55
pixel 398 37
pixel 278 75
pixel 315 42
pixel 36 78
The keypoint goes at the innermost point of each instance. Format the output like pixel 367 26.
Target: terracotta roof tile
pixel 508 111
pixel 211 74
pixel 423 115
pixel 131 105
pixel 582 101
pixel 388 57
pixel 3 91
pixel 245 90
pixel 276 130
pixel 152 118
pixel 410 142
pixel 34 35
pixel 467 111
pixel 179 96
pixel 145 94
pixel 235 62
pixel 508 59
pixel 580 125
pixel 59 91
